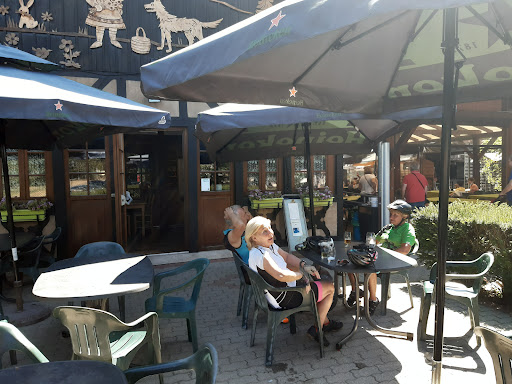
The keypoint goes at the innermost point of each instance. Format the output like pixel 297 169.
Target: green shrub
pixel 473 228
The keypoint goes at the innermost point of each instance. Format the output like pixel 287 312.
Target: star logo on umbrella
pixel 275 21
pixel 58 106
pixel 293 92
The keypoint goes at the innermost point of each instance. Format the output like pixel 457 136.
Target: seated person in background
pixel 472 186
pixel 398 236
pixel 234 238
pixel 280 269
pixel 457 190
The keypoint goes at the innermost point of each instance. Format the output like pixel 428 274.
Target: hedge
pixel 473 228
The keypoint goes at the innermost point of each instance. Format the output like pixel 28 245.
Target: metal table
pixel 388 261
pixel 64 372
pixel 95 277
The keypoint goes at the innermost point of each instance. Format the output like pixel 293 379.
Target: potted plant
pixel 265 199
pixel 321 197
pixel 32 210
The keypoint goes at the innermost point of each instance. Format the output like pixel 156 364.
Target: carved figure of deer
pixel 26 18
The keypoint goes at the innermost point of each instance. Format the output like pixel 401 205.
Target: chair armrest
pixel 204 362
pixel 161 294
pixel 157 279
pixel 147 319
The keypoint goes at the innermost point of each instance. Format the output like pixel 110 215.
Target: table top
pixel 64 372
pixel 95 277
pixel 22 238
pixel 387 260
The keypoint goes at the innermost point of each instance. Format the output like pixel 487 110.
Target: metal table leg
pixel 358 314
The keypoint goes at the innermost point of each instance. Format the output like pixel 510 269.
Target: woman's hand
pixel 312 271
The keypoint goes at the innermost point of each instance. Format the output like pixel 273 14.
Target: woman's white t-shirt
pixel 257 254
pixel 364 184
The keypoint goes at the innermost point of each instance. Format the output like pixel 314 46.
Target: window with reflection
pixel 215 176
pixel 262 174
pixel 27 173
pixel 319 171
pixel 87 170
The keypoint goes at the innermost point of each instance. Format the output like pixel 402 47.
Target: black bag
pixel 312 242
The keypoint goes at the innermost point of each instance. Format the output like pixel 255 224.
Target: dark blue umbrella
pixel 42 110
pixel 364 56
pixel 21 58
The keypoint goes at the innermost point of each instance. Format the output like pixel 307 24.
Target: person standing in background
pixel 414 187
pixel 368 182
pixel 508 188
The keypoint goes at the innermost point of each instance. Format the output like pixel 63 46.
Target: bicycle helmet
pixel 401 206
pixel 362 257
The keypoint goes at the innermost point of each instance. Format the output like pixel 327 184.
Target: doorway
pixel 154 177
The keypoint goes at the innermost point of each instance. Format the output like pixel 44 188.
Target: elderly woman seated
pixel 280 269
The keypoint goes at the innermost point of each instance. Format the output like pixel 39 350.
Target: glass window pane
pixel 12 163
pixel 207 167
pixel 253 181
pixel 300 179
pixel 223 167
pixel 97 184
pixel 300 165
pixel 96 161
pixel 36 164
pixel 14 182
pixel 271 182
pixel 77 162
pixel 320 162
pixel 253 166
pixel 78 185
pixel 271 165
pixel 319 180
pixel 223 178
pixel 37 186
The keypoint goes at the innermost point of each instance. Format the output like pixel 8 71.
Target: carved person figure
pixel 105 14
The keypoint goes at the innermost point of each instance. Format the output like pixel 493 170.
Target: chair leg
pixel 272 322
pixel 13 358
pixel 426 300
pixel 122 308
pixel 254 322
pixel 247 305
pixel 474 315
pixel 192 331
pixel 241 293
pixel 293 324
pixel 405 274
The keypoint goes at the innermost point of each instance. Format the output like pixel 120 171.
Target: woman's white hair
pixel 253 226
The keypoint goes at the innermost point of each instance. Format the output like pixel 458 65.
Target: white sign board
pixel 205 184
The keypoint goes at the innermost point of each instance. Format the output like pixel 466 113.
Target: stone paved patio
pixel 369 357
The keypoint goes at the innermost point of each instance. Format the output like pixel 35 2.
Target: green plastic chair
pixel 101 248
pixel 50 255
pixel 245 291
pixel 12 340
pixel 29 258
pixel 172 307
pixel 204 362
pixel 468 271
pixel 275 316
pixel 100 336
pixel 500 349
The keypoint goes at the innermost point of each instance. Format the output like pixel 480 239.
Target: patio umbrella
pixel 237 132
pixel 354 56
pixel 40 110
pixel 23 59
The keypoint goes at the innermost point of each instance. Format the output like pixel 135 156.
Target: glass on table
pixel 370 239
pixel 348 238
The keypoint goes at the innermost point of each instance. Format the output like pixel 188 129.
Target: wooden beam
pixel 402 141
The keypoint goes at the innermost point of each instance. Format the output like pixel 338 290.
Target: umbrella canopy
pixel 343 56
pixel 368 56
pixel 235 132
pixel 40 109
pixel 23 59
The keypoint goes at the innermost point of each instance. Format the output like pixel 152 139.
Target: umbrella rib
pixel 505 36
pixel 230 141
pixel 337 44
pixel 404 50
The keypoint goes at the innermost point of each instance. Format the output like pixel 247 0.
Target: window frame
pixel 24 176
pixel 330 165
pixel 262 172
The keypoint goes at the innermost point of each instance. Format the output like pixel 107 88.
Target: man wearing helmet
pixel 399 236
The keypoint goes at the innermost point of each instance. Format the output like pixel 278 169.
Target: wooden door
pixel 120 189
pixel 89 206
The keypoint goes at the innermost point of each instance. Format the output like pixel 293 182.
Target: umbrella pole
pixel 307 161
pixel 449 44
pixel 18 285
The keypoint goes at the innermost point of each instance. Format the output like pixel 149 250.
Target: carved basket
pixel 140 44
